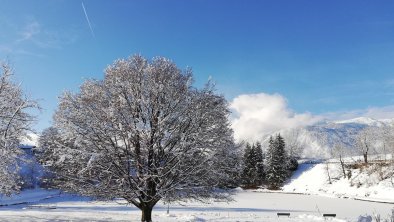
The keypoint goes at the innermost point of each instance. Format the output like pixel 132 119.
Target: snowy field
pixel 338 198
pixel 248 206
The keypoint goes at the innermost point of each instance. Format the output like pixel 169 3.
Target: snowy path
pixel 248 206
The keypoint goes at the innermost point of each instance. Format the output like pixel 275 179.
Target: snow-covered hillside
pixel 366 121
pixel 366 183
pixel 318 140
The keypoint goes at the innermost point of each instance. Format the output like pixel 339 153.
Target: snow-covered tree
pixel 248 171
pixel 340 152
pixel 386 136
pixel 253 168
pixel 276 162
pixel 259 162
pixel 15 122
pixel 143 133
pixel 47 144
pixel 294 144
pixel 365 141
pixel 49 152
pixel 232 168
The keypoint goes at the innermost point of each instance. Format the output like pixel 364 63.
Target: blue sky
pixel 320 56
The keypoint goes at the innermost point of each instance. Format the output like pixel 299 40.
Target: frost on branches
pixel 144 134
pixel 15 121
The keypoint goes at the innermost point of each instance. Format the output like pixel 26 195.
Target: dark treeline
pixel 270 168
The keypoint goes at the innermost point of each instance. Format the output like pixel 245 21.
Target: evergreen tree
pixel 276 162
pixel 292 164
pixel 248 166
pixel 258 151
pixel 253 171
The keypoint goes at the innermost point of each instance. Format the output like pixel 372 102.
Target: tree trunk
pixel 342 166
pixel 365 158
pixel 328 173
pixel 146 214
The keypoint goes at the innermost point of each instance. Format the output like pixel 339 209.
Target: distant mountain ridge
pixel 319 139
pixel 367 121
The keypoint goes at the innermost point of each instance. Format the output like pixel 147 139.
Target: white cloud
pixel 257 115
pixel 30 30
pixel 35 33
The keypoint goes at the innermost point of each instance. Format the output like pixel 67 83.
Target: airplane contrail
pixel 87 19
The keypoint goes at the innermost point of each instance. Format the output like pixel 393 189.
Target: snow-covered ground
pixel 247 206
pixel 343 197
pixel 364 184
pixel 28 196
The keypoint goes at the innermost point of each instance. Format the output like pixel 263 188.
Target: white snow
pixel 313 179
pixel 28 196
pixel 247 206
pixel 362 120
pixel 30 140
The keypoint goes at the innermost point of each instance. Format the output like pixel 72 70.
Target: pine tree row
pixel 271 168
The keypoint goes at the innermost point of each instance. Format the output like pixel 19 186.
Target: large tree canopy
pixel 143 133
